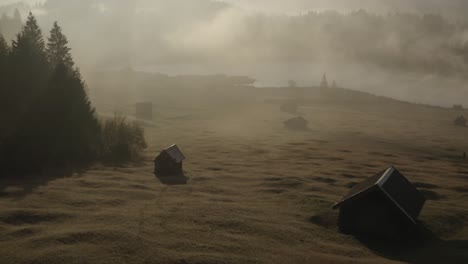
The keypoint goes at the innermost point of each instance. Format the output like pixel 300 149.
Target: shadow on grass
pixel 422 248
pixel 178 179
pixel 15 185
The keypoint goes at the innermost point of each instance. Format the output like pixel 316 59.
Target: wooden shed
pixel 169 162
pixel 386 205
pixel 297 123
pixel 458 107
pixel 460 121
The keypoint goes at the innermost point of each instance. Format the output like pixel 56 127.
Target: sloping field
pixel 257 193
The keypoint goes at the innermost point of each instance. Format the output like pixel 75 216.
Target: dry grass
pixel 257 193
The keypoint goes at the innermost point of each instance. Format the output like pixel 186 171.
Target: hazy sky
pixel 295 6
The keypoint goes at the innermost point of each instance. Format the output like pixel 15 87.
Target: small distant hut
pixel 460 121
pixel 144 111
pixel 297 123
pixel 458 107
pixel 386 205
pixel 292 84
pixel 169 162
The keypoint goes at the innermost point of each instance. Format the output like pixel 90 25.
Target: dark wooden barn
pixel 297 123
pixel 386 205
pixel 169 162
pixel 460 121
pixel 144 111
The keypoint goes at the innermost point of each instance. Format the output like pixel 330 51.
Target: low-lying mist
pixel 407 55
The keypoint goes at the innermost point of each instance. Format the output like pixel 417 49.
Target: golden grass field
pixel 256 192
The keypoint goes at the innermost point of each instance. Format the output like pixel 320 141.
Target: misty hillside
pixel 209 132
pixel 201 32
pixel 420 51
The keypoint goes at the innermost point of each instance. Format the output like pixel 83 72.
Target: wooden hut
pixel 169 162
pixel 297 123
pixel 460 121
pixel 458 107
pixel 144 111
pixel 386 205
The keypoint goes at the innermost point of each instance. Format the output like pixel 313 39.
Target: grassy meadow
pixel 256 191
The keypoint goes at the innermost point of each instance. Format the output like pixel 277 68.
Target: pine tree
pixel 28 58
pixel 4 19
pixel 28 77
pixel 30 37
pixel 4 53
pixel 10 26
pixel 76 136
pixel 17 16
pixel 324 83
pixel 58 51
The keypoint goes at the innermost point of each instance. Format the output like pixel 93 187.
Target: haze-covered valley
pixel 397 49
pixel 305 131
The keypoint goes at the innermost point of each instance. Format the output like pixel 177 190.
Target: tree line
pixel 9 26
pixel 425 43
pixel 401 41
pixel 46 118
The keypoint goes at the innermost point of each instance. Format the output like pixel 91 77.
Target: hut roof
pixel 399 191
pixel 296 120
pixel 461 118
pixel 175 153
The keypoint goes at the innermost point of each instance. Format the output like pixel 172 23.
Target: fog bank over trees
pixel 406 48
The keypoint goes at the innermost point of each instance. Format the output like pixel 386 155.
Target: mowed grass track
pixel 257 193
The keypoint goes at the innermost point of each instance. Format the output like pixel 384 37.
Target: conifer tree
pixel 17 16
pixel 28 58
pixel 10 26
pixel 76 136
pixel 4 53
pixel 58 51
pixel 30 38
pixel 28 76
pixel 324 82
pixel 3 19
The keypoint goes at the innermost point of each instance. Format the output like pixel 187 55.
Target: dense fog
pixel 411 50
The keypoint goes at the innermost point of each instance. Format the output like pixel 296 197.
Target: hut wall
pixel 372 215
pixel 165 165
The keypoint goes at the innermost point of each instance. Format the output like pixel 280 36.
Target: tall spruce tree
pixel 4 54
pixel 76 136
pixel 58 51
pixel 51 118
pixel 28 78
pixel 10 26
pixel 324 82
pixel 30 37
pixel 28 58
pixel 17 15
